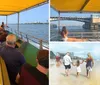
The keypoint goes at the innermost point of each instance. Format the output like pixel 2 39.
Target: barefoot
pixel 67 74
pixel 87 76
pixel 77 76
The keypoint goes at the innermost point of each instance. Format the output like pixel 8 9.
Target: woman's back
pixel 64 32
pixel 89 62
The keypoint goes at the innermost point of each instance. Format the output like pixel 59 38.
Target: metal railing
pixel 28 38
pixel 90 36
pixel 85 34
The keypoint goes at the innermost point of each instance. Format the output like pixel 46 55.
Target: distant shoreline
pixel 26 23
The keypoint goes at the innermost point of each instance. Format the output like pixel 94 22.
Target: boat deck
pixel 30 52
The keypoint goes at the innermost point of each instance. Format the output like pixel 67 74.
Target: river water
pixel 40 31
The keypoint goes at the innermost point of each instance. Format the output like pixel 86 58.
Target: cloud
pixel 79 49
pixel 95 52
pixel 76 45
pixel 65 47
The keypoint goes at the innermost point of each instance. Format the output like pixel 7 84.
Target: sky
pixel 40 13
pixel 79 49
pixel 70 22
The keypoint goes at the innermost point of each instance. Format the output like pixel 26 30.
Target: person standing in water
pixel 78 68
pixel 58 59
pixel 67 63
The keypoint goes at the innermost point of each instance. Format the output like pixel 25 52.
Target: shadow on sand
pixel 74 75
pixel 83 75
pixel 63 74
pixel 52 65
pixel 79 75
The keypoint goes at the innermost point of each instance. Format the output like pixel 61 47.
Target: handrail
pixel 87 35
pixel 33 37
pixel 29 38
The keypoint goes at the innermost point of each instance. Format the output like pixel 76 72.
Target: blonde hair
pixel 11 39
pixel 89 55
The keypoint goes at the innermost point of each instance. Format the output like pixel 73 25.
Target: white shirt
pixel 67 60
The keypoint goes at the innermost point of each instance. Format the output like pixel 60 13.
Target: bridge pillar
pixel 94 26
pixel 95 20
pixel 87 25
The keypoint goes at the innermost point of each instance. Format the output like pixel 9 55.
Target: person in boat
pixel 3 35
pixel 89 64
pixel 2 25
pixel 67 63
pixel 1 28
pixel 12 57
pixel 64 34
pixel 31 75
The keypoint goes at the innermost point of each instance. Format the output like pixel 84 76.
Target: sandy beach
pixel 58 76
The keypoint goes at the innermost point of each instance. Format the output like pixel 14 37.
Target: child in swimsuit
pixel 78 69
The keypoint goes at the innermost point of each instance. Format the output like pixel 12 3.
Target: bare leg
pixel 67 72
pixel 76 40
pixel 87 73
pixel 57 64
pixel 60 62
pixel 77 74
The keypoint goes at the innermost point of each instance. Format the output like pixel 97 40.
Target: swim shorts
pixel 67 66
pixel 89 68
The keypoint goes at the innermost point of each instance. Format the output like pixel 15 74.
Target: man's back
pixel 67 60
pixel 31 76
pixel 13 59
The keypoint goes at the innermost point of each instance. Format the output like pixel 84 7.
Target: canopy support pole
pixel 18 24
pixel 86 2
pixel 58 22
pixel 6 20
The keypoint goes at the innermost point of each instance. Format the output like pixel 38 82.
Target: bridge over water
pixel 81 19
pixel 88 21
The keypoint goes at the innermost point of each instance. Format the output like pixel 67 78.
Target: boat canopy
pixel 76 5
pixel 8 7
